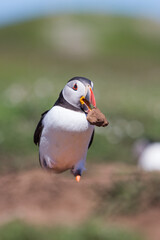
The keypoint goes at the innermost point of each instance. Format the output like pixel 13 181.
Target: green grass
pixel 120 55
pixel 21 231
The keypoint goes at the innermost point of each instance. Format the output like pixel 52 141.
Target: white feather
pixel 65 139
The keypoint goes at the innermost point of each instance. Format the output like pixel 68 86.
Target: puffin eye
pixel 75 87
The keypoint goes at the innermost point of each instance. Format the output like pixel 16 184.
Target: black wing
pixel 39 128
pixel 90 143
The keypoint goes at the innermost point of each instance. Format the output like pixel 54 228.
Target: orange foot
pixel 78 177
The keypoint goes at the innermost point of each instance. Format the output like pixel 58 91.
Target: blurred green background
pixel 121 55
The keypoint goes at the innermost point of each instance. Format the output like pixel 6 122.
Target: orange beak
pixel 92 98
pixel 78 177
pixel 88 102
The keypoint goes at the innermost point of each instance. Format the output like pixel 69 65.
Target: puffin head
pixel 79 93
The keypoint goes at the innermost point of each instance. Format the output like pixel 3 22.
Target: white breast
pixel 65 138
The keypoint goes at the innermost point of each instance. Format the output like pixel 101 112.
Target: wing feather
pixel 39 128
pixel 91 140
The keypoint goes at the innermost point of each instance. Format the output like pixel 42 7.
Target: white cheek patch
pixel 72 96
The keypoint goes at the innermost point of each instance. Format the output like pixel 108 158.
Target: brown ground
pixel 41 197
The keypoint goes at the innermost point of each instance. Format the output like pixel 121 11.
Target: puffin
pixel 63 133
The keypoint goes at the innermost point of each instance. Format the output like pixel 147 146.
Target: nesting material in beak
pixel 86 105
pixel 78 177
pixel 97 118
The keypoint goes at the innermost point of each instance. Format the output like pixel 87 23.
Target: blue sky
pixel 15 10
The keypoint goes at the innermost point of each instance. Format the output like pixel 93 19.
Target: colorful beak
pixel 88 102
pixel 92 99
